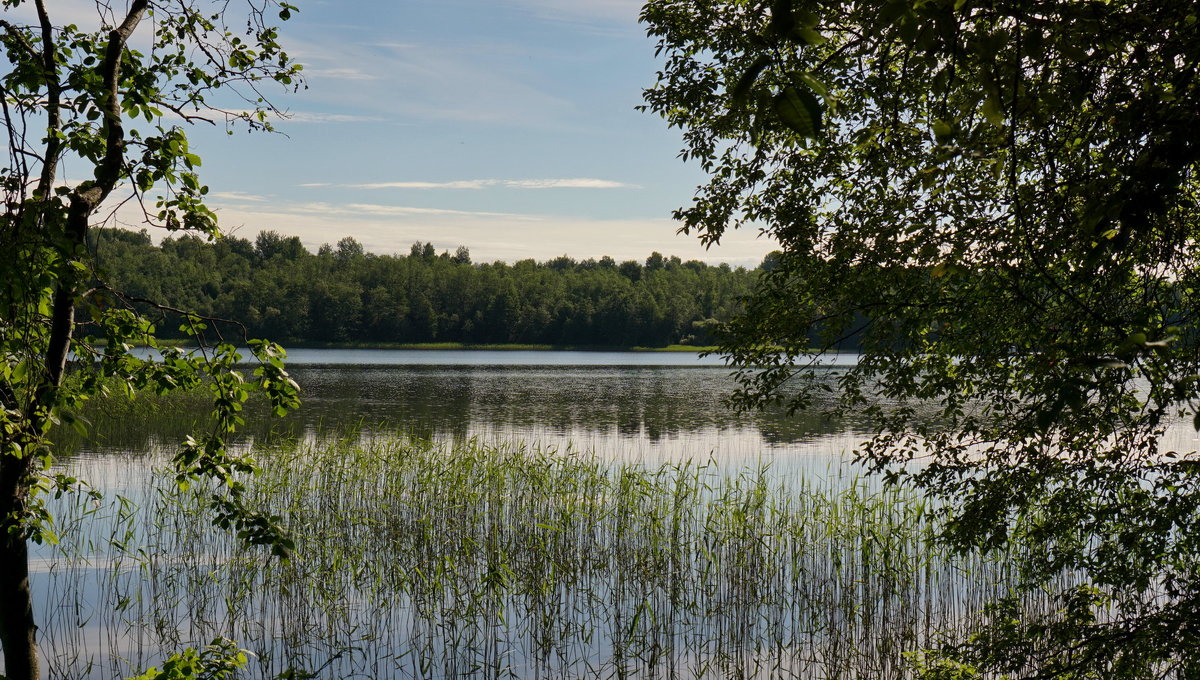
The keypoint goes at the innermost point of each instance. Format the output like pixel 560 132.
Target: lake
pixel 509 515
pixel 641 408
pixel 648 406
pixel 651 406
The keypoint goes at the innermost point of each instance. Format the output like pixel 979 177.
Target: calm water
pixel 620 405
pixel 651 406
pixel 394 357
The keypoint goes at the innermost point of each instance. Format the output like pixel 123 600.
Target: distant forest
pixel 341 294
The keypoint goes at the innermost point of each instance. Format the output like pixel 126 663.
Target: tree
pixel 998 201
pixel 631 269
pixel 270 244
pixel 562 263
pixel 106 107
pixel 462 255
pixel 348 250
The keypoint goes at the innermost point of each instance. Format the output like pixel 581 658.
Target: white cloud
pixel 464 82
pixel 605 9
pixel 312 117
pixel 340 73
pixel 460 184
pixel 280 119
pixel 373 209
pixel 237 196
pixel 284 117
pixel 569 183
pixel 578 183
pixel 490 236
pixel 599 15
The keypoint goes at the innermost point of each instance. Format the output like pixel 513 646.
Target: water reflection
pixel 659 412
pixel 637 402
pixel 618 411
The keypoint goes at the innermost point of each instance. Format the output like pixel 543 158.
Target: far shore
pixel 461 346
pixel 502 348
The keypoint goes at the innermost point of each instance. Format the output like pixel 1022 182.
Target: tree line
pixel 278 289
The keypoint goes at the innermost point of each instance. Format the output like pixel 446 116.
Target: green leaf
pixel 741 90
pixel 810 81
pixel 807 36
pixel 993 112
pixel 782 19
pixel 799 110
pixel 942 131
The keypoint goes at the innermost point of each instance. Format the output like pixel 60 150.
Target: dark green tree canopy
pixel 345 295
pixel 998 201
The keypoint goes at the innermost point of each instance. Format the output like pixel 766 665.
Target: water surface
pixel 618 405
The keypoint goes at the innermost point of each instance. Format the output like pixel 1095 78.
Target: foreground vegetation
pixel 422 560
pixel 108 98
pixel 997 203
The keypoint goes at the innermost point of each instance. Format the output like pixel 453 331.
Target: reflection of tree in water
pixel 635 403
pixel 632 401
pixel 650 403
pixel 777 427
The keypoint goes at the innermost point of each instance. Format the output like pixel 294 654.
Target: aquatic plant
pixel 417 559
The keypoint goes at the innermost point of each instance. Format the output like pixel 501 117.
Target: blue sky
pixel 507 126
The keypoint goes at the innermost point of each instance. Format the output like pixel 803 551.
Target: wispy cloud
pixel 460 184
pixel 577 183
pixel 606 16
pixel 565 183
pixel 340 73
pixel 490 236
pixel 379 210
pixel 281 118
pixel 237 196
pixel 432 78
pixel 313 117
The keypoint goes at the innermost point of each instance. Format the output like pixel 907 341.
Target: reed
pixel 417 559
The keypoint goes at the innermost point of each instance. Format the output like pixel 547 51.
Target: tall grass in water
pixel 421 560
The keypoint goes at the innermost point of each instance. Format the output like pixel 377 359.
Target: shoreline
pixel 511 347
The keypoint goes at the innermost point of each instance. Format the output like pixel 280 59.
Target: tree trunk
pixel 18 631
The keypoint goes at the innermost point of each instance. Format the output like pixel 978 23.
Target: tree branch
pixel 53 104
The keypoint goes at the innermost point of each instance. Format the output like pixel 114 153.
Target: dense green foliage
pixel 278 289
pixel 999 201
pixel 111 112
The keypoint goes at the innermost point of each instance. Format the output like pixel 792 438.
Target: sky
pixel 507 126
